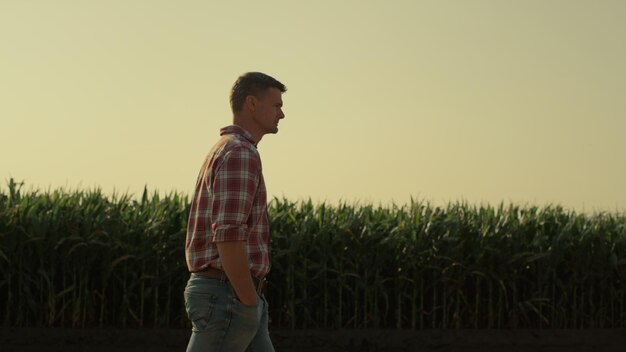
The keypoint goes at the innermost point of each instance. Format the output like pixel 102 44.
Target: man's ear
pixel 251 102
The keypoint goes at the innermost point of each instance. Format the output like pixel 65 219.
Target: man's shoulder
pixel 230 145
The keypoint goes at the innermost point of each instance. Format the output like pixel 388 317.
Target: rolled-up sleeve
pixel 234 188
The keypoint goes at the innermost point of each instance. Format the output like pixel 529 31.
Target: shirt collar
pixel 235 129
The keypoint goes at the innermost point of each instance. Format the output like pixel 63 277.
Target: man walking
pixel 227 245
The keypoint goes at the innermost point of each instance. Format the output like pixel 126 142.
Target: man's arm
pixel 234 256
pixel 234 189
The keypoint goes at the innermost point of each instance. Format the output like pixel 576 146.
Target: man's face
pixel 269 110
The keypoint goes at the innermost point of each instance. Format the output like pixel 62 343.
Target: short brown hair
pixel 251 83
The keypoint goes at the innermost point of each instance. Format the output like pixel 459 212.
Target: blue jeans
pixel 220 322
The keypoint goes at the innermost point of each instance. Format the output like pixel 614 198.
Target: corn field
pixel 82 258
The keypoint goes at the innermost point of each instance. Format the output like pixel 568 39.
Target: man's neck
pixel 244 122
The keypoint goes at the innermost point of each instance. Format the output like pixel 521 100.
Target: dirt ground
pixel 170 340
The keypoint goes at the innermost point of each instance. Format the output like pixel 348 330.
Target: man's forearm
pixel 234 257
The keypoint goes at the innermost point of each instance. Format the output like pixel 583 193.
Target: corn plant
pixel 76 258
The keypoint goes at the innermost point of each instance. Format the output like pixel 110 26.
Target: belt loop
pixel 223 277
pixel 259 288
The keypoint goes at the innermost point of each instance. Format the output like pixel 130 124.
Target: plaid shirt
pixel 229 204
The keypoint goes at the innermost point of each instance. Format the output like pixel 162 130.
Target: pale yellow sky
pixel 481 101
